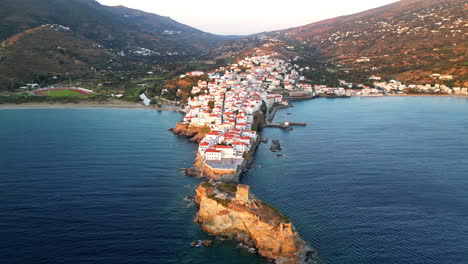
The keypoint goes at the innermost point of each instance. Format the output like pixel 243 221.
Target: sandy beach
pixel 130 105
pixel 119 104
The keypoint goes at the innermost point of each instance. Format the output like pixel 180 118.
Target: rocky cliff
pixel 201 171
pixel 194 133
pixel 231 211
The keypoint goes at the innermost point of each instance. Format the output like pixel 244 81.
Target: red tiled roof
pixel 223 147
pixel 240 144
pixel 212 151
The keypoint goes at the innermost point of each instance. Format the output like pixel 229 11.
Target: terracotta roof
pixel 223 147
pixel 212 151
pixel 240 144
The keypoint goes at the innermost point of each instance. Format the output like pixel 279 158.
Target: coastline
pixel 231 128
pixel 129 105
pixel 426 95
pixel 227 209
pixel 115 105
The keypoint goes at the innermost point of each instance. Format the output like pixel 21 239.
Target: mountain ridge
pixel 104 24
pixel 407 40
pixel 134 39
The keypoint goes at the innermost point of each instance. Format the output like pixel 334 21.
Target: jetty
pixel 285 125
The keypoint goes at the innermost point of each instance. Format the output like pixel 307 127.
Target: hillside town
pixel 397 87
pixel 228 104
pixel 438 21
pixel 392 87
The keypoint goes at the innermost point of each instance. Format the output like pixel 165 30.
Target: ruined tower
pixel 243 194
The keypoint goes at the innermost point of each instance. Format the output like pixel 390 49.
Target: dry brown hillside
pixel 408 40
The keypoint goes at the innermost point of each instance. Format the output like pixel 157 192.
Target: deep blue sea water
pixel 373 180
pixel 369 180
pixel 98 186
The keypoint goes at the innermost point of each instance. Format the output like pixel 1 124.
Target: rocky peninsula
pixel 232 211
pixel 225 119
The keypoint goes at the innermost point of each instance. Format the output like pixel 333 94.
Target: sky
pixel 242 17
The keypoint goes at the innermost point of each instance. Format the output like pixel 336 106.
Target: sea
pixel 368 180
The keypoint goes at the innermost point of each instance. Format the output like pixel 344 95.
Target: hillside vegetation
pixel 41 39
pixel 119 49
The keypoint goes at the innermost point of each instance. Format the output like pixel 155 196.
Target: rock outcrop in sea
pixel 275 146
pixel 232 211
pixel 195 134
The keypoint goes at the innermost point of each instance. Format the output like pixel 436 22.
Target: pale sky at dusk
pixel 241 17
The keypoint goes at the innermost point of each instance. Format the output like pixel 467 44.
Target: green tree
pixel 211 105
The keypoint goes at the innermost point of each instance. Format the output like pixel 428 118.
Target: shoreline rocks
pixel 201 171
pixel 200 243
pixel 207 243
pixel 194 134
pixel 232 211
pixel 275 146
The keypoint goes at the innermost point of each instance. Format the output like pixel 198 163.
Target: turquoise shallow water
pixel 369 180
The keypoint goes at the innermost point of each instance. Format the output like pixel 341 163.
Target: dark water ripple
pixel 373 180
pixel 376 180
pixel 98 186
